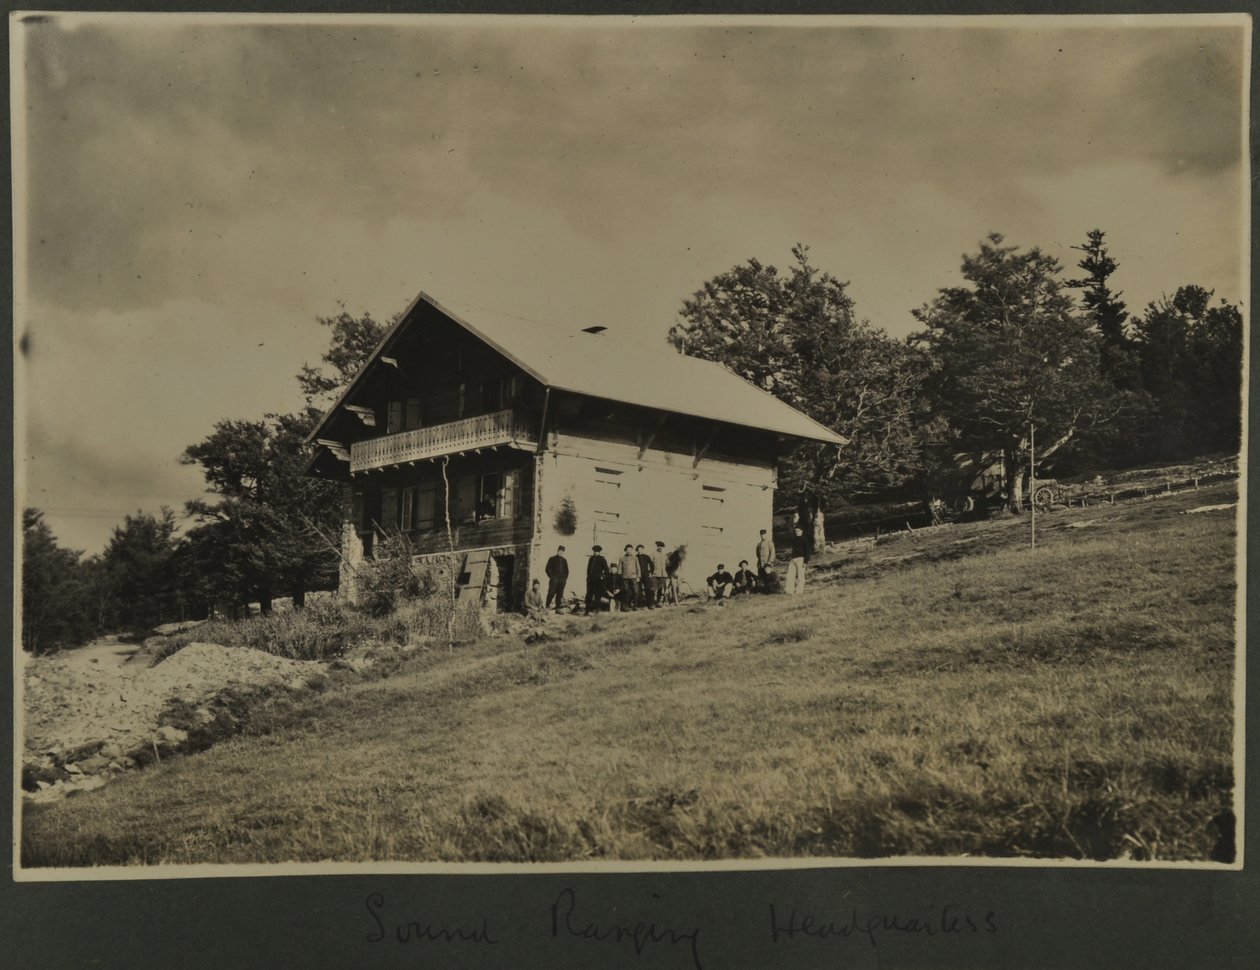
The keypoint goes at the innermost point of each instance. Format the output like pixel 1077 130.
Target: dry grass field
pixel 941 694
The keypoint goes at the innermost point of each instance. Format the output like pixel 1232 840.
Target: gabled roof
pixel 612 367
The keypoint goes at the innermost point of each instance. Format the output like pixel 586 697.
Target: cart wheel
pixel 1043 498
pixel 964 504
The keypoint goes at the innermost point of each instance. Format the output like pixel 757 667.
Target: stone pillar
pixel 351 557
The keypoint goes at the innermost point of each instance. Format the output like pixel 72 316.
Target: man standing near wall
pixel 629 569
pixel 800 556
pixel 765 559
pixel 557 576
pixel 596 576
pixel 660 565
pixel 645 578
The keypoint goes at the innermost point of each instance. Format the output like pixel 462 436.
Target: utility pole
pixel 1032 484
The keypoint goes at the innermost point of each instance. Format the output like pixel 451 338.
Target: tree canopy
pixel 1011 354
pixel 1191 359
pixel 269 533
pixel 351 342
pixel 797 336
pixel 54 604
pixel 273 530
pixel 1106 311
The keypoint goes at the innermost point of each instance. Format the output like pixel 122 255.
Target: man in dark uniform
pixel 720 583
pixel 645 578
pixel 557 576
pixel 596 576
pixel 745 580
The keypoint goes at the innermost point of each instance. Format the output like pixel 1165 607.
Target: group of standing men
pixel 643 580
pixel 638 580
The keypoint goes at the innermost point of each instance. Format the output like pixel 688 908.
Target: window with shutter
pixel 713 504
pixel 408 506
pixel 466 499
pixel 359 512
pixel 525 492
pixel 389 509
pixel 393 417
pixel 413 413
pixel 491 395
pixel 507 496
pixel 426 508
pixel 489 498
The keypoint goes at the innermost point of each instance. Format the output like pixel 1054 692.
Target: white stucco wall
pixel 620 497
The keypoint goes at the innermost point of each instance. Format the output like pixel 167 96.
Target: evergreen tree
pixel 1107 311
pixel 135 573
pixel 55 610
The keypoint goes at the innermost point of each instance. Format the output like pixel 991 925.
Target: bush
pixel 393 578
pixel 328 629
pixel 566 517
pixel 321 631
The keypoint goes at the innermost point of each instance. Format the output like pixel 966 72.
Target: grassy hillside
pixel 947 693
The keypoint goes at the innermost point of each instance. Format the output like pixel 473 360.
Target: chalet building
pixel 529 436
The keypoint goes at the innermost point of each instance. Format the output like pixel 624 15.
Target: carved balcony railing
pixel 505 427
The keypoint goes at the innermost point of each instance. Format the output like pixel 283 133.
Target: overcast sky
pixel 198 191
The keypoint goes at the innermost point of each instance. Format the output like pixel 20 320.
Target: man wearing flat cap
pixel 596 577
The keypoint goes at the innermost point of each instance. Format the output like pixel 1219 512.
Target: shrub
pixel 566 517
pixel 321 631
pixel 393 577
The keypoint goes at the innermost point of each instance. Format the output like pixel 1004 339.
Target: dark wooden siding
pixel 435 358
pixel 510 525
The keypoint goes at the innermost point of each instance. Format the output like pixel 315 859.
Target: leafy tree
pixel 272 530
pixel 266 534
pixel 351 343
pixel 798 337
pixel 1191 357
pixel 1106 311
pixel 1012 355
pixel 54 604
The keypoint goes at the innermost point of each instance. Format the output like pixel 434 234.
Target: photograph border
pixel 1086 913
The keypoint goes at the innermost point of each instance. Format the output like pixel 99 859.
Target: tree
pixel 267 533
pixel 1106 311
pixel 54 607
pixel 350 345
pixel 273 530
pixel 1191 358
pixel 136 586
pixel 1011 356
pixel 797 336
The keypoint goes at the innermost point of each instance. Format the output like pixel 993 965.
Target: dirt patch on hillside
pixel 86 711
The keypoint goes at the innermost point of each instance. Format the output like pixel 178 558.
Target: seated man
pixel 745 579
pixel 534 605
pixel 720 583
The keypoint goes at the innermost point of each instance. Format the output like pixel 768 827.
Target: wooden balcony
pixel 507 427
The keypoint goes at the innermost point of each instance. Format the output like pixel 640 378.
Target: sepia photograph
pixel 465 443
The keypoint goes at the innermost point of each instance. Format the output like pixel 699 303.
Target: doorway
pixel 504 599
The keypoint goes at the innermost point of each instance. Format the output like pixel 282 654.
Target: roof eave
pixel 421 297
